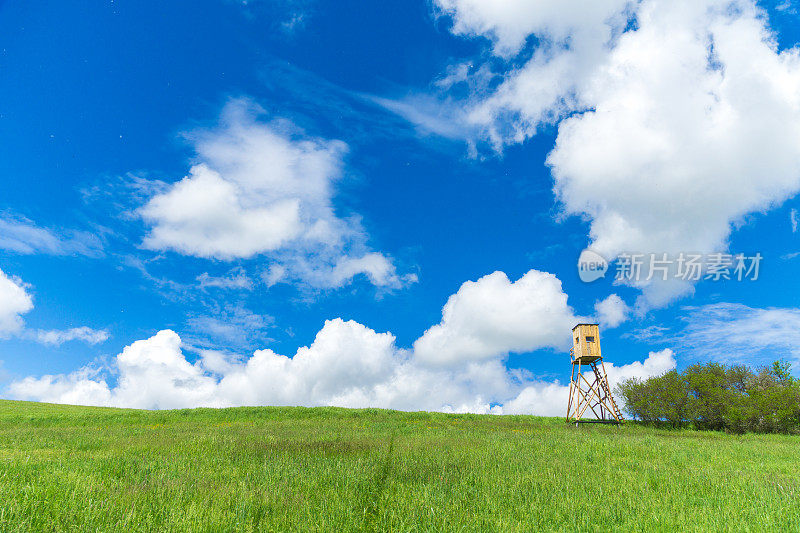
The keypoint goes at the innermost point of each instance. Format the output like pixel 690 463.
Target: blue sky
pixel 376 157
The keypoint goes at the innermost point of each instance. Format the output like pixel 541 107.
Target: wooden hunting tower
pixel 588 387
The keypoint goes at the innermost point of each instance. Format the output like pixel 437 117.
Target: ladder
pixel 608 399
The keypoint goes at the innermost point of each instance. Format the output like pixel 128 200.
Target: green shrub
pixel 718 397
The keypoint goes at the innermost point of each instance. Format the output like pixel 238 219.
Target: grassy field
pixel 80 469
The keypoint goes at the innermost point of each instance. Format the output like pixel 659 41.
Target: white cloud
pixel 669 119
pixel 684 110
pixel 572 41
pixel 550 399
pixel 652 333
pixel 655 364
pixel 84 387
pixel 731 333
pixel 543 399
pixel 152 373
pixel 736 333
pixel 217 362
pixel 428 114
pixel 494 316
pixel 347 365
pixel 346 358
pixel 274 274
pixel 14 302
pixel 350 365
pixel 793 219
pixel 56 337
pixel 376 267
pixel 236 278
pixel 264 188
pixel 205 215
pixel 233 325
pixel 612 311
pixel 509 24
pixel 22 236
pixel 787 7
pixel 337 272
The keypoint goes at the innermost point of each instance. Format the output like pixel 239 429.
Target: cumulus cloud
pixel 456 366
pixel 550 399
pixel 570 42
pixel 203 215
pixel 685 111
pixel 347 365
pixel 264 188
pixel 612 311
pixel 655 364
pixel 510 24
pixel 14 302
pixel 152 373
pixel 84 387
pixel 677 124
pixel 542 398
pixel 494 316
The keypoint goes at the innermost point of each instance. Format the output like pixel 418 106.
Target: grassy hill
pixel 266 468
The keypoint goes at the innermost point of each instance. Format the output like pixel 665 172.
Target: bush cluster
pixel 718 397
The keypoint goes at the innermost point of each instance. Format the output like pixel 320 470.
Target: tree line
pixel 718 397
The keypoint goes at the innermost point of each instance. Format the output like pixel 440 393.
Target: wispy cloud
pixel 430 115
pixel 57 337
pixel 787 6
pixel 236 278
pixel 21 235
pixel 647 334
pixel 736 332
pixel 231 325
pixel 731 333
pixel 286 16
pixel 361 118
pixel 15 301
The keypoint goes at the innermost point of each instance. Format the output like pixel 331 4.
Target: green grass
pixel 294 469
